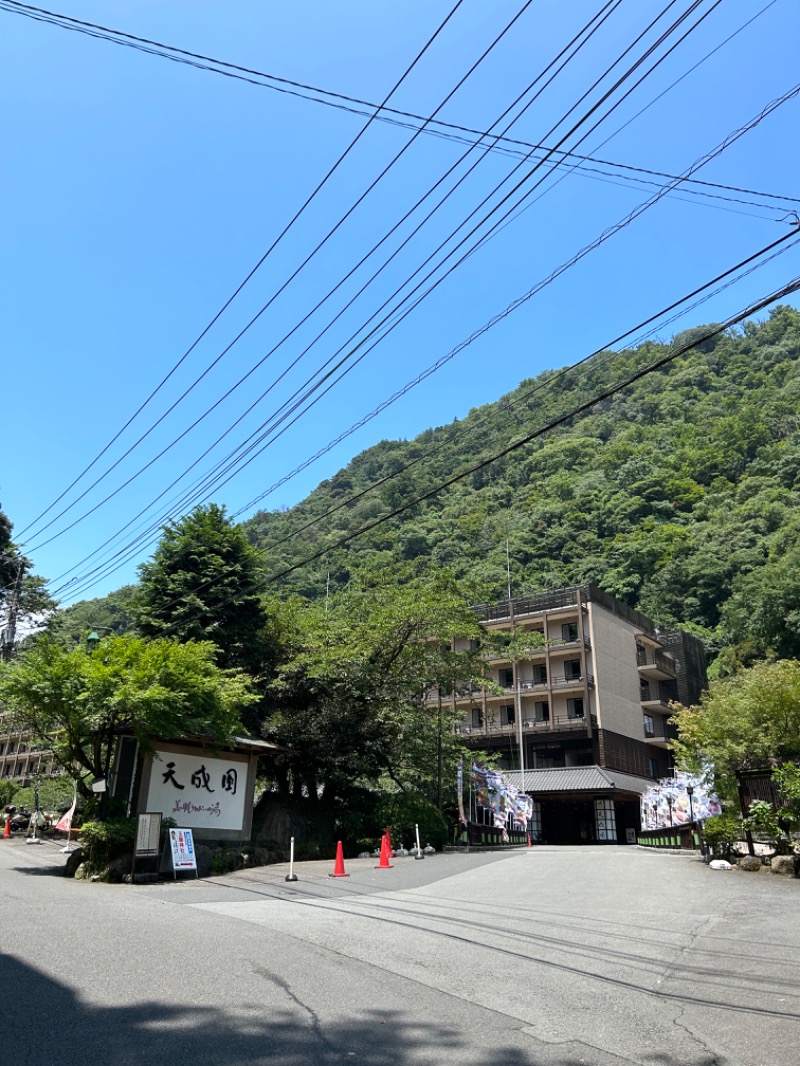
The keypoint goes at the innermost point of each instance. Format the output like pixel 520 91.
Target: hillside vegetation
pixel 679 494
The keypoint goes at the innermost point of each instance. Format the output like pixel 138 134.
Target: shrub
pixel 403 810
pixel 105 841
pixel 722 833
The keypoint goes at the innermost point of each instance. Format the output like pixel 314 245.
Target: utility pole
pixel 9 632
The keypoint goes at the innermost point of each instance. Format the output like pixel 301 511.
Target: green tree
pixel 356 699
pixel 203 584
pixel 748 721
pixel 110 613
pixel 23 596
pixel 75 702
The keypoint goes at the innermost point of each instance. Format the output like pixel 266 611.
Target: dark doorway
pixel 568 822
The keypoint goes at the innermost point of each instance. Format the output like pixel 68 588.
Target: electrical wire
pixel 642 207
pixel 773 247
pixel 574 412
pixel 341 101
pixel 278 291
pixel 658 364
pixel 286 229
pixel 610 4
pixel 570 51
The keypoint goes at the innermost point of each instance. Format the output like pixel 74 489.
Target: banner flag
pixel 461 816
pixel 667 805
pixel 64 823
pixel 510 807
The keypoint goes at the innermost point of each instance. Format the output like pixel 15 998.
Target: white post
pixel 419 854
pixel 291 876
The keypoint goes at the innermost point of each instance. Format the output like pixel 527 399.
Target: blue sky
pixel 139 193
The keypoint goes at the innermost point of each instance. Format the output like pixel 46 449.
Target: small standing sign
pixel 148 834
pixel 179 851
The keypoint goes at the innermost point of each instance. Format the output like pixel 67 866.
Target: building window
pixel 605 820
pixel 654 767
pixel 572 669
pixel 507 716
pixel 542 711
pixel 477 719
pixel 539 674
pixel 569 631
pixel 649 727
pixel 575 708
pixel 506 677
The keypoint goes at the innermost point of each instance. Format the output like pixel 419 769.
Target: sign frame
pixel 179 853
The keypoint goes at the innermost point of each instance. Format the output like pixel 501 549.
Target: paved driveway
pixel 543 956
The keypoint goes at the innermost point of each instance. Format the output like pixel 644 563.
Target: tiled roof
pixel 578 779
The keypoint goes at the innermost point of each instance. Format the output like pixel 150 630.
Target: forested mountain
pixel 678 494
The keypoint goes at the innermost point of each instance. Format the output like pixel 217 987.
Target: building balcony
pixel 658 732
pixel 558 723
pixel 655 665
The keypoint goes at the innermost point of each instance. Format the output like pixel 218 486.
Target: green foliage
pixel 105 841
pixel 7 792
pixel 110 614
pixel 203 585
pixel 76 701
pixel 402 811
pixel 774 825
pixel 748 721
pixel 722 833
pixel 55 795
pixel 680 495
pixel 350 697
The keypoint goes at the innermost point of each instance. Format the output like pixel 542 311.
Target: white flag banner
pixel 64 823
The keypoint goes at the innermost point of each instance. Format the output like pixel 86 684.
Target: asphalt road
pixel 542 957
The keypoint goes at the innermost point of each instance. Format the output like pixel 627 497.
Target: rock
pixel 203 855
pixel 750 864
pixel 783 865
pixel 119 868
pixel 80 872
pixel 720 864
pixel 74 861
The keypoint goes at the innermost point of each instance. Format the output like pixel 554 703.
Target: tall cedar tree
pixel 203 584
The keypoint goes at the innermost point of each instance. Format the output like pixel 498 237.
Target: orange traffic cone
pixel 7 830
pixel 338 869
pixel 384 864
pixel 388 841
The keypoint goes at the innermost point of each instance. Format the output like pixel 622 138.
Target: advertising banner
pixel 668 805
pixel 511 808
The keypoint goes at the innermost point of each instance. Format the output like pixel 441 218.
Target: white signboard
pixel 198 792
pixel 182 845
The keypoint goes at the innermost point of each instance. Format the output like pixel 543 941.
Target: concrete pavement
pixel 544 956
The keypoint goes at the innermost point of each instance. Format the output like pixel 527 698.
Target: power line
pixel 282 287
pixel 738 267
pixel 560 420
pixel 572 47
pixel 658 364
pixel 654 199
pixel 258 265
pixel 610 4
pixel 341 101
pixel 523 397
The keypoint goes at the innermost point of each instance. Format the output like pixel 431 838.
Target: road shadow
pixel 54 1026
